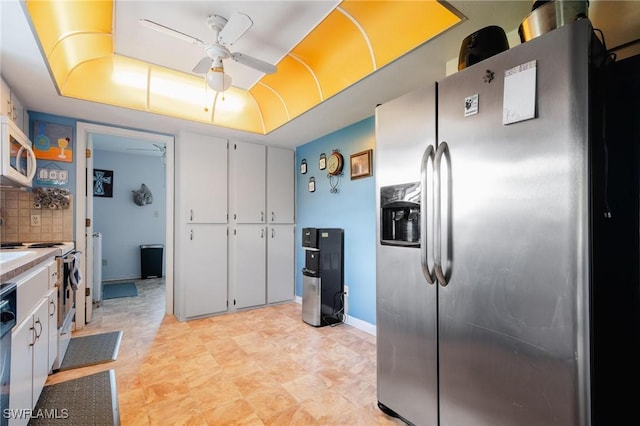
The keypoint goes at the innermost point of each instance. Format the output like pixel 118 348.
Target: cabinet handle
pixel 33 335
pixel 191 214
pixel 273 217
pixel 191 235
pixel 262 233
pixel 40 333
pixel 52 303
pixel 261 216
pixel 273 233
pixel 14 115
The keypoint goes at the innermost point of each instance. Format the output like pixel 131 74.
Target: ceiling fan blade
pixel 237 25
pixel 171 32
pixel 202 66
pixel 254 63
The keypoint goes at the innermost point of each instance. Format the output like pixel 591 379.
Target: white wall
pixel 125 225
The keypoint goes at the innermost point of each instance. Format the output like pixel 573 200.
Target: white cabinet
pixel 29 360
pixel 201 236
pixel 40 348
pixel 248 169
pixel 241 187
pixel 280 186
pixel 201 171
pixel 11 106
pixel 203 271
pixel 280 263
pixel 249 265
pixel 52 338
pixel 5 99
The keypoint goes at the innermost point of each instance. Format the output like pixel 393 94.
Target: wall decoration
pixel 312 184
pixel 52 174
pixel 303 166
pixel 102 183
pixel 361 164
pixel 322 162
pixel 142 196
pixel 51 198
pixel 53 141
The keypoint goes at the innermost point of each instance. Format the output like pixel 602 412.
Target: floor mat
pixel 113 291
pixel 86 401
pixel 91 350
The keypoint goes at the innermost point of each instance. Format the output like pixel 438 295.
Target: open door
pixel 88 236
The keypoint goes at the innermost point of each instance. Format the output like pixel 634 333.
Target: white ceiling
pixel 278 25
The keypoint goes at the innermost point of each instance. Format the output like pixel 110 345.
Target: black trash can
pixel 151 260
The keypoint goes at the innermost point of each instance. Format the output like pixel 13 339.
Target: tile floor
pixel 257 367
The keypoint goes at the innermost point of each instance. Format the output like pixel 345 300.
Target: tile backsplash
pixel 16 211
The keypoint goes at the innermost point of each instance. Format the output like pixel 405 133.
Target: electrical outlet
pixel 346 300
pixel 35 220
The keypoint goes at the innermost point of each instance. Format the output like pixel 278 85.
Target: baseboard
pixel 367 327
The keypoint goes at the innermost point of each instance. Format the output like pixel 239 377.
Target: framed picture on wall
pixel 361 164
pixel 53 141
pixel 102 183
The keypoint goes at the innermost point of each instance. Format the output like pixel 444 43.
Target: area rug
pixel 114 291
pixel 91 350
pixel 86 401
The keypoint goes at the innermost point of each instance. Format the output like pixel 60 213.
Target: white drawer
pixel 32 287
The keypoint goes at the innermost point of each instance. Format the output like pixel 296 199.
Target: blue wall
pixel 352 208
pixel 125 225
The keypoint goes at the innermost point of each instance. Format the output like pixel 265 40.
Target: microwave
pixel 17 160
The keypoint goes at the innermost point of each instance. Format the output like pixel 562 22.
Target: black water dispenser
pixel 323 276
pixel 400 216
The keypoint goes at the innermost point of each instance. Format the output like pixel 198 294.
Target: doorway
pixel 86 132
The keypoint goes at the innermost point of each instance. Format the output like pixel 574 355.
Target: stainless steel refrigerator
pixel 492 200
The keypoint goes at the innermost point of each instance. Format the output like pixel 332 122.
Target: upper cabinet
pixel 248 170
pixel 11 106
pixel 201 165
pixel 280 190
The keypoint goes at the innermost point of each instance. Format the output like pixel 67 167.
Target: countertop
pixel 15 261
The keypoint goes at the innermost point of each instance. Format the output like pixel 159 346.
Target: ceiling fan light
pixel 218 80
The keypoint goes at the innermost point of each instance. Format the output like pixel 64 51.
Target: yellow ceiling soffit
pixel 353 41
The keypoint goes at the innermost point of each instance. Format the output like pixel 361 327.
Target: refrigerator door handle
pixel 424 216
pixel 442 275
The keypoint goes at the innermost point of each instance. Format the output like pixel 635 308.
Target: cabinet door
pixel 5 99
pixel 201 170
pixel 52 298
pixel 17 113
pixel 40 348
pixel 204 270
pixel 280 263
pixel 21 392
pixel 250 265
pixel 280 175
pixel 249 172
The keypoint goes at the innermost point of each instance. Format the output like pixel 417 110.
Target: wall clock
pixel 335 163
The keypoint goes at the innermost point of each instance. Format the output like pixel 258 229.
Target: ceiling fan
pixel 226 33
pixel 158 148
